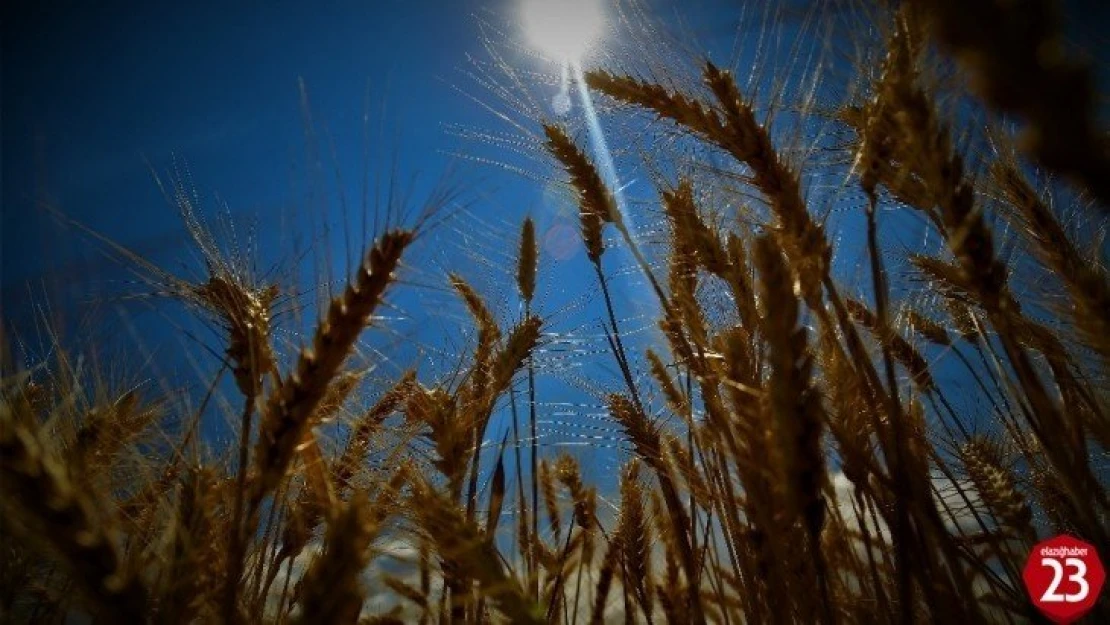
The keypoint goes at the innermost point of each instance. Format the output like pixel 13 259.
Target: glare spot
pixel 563 29
pixel 561 241
pixel 560 104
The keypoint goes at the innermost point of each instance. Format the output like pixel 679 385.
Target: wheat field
pixel 814 421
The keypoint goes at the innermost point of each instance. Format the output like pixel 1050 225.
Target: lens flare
pixel 563 29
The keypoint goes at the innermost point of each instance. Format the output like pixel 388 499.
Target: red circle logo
pixel 1064 577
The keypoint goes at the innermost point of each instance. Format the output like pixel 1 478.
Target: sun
pixel 563 29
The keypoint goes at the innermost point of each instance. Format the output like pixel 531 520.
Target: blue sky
pixel 92 92
pixel 95 95
pixel 95 91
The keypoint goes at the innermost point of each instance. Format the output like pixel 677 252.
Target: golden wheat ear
pixel 527 260
pixel 297 397
pixel 295 400
pixel 596 204
pixel 1087 283
pixel 246 313
pixel 332 590
pixel 996 484
pixel 468 555
pixel 56 514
